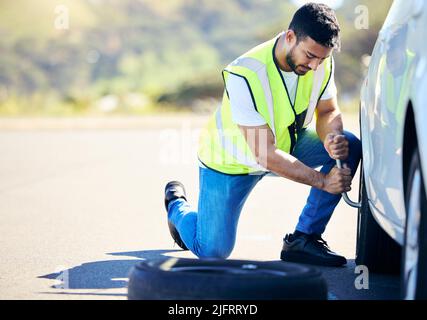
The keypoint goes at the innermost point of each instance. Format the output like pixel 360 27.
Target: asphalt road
pixel 80 206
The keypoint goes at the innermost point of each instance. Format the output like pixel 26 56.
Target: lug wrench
pixel 344 194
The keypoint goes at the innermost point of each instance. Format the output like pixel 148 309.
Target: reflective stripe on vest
pixel 261 70
pixel 231 148
pixel 319 75
pixel 223 147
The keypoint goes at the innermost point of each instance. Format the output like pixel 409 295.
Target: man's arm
pixel 329 127
pixel 329 119
pixel 287 166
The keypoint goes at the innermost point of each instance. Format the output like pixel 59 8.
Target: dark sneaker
pixel 310 249
pixel 174 190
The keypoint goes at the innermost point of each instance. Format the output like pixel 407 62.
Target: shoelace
pixel 318 240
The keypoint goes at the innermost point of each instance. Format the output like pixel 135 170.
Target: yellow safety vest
pixel 222 146
pixel 396 100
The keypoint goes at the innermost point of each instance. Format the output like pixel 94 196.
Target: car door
pixel 394 61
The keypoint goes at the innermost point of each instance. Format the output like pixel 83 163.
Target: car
pixel 392 220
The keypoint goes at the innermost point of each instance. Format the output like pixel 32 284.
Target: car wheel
pixel 414 280
pixel 194 279
pixel 374 247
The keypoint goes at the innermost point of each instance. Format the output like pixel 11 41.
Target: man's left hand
pixel 337 146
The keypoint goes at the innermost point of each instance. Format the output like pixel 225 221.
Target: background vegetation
pixel 140 56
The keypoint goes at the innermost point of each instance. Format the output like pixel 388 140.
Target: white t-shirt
pixel 242 107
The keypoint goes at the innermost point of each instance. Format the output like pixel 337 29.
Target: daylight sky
pixel 332 3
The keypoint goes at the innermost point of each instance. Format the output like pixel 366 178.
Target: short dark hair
pixel 319 22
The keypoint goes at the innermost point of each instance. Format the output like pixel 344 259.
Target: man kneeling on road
pixel 271 93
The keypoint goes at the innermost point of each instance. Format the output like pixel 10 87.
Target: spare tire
pixel 212 279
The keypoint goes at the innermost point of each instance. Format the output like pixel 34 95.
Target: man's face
pixel 306 55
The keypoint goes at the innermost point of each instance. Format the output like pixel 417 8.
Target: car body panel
pixel 395 79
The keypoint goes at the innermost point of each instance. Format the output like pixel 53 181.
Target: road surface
pixel 81 202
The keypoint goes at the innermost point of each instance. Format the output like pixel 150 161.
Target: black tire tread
pixel 148 281
pixel 374 248
pixel 421 292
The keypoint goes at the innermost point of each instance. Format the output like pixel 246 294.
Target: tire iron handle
pixel 344 194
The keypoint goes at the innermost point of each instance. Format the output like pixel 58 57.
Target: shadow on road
pixel 110 274
pixel 349 283
pixel 113 274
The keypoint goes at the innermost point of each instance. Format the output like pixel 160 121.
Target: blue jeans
pixel 210 231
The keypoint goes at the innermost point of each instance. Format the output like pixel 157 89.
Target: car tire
pixel 194 279
pixel 414 257
pixel 374 247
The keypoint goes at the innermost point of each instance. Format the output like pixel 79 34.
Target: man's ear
pixel 291 37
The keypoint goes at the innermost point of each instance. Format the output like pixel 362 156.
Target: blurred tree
pixel 169 49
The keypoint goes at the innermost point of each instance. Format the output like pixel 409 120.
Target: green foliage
pixel 356 43
pixel 161 52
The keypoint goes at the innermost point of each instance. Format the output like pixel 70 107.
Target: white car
pixel 392 223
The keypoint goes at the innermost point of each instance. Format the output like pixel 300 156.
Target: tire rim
pixel 228 270
pixel 412 235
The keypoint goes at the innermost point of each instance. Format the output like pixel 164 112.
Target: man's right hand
pixel 338 180
pixel 260 140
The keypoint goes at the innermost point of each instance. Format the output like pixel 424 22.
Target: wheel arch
pixel 410 142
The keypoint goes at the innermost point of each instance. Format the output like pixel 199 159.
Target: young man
pixel 271 93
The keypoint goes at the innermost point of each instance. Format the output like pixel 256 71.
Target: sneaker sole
pixel 176 237
pixel 301 257
pixel 168 185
